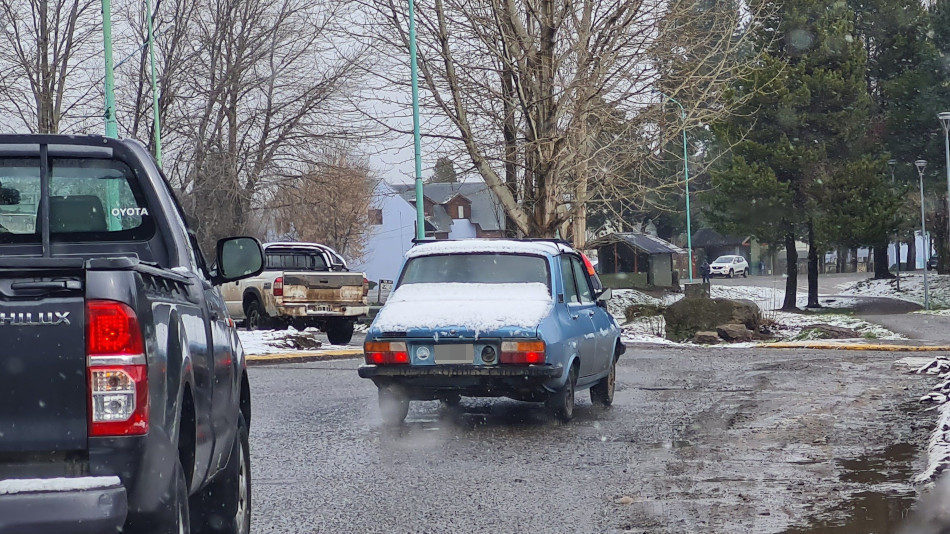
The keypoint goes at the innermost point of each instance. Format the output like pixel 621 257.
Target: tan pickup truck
pixel 303 284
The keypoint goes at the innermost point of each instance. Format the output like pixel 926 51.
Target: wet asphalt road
pixel 698 440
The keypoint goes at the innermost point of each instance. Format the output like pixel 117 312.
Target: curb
pixel 302 357
pixel 856 346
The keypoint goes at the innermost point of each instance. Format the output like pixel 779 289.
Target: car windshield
pixel 486 268
pixel 724 259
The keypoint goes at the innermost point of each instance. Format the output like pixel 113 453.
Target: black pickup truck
pixel 124 398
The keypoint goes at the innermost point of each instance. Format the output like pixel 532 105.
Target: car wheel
pixel 603 392
pixel 225 505
pixel 393 405
pixel 745 273
pixel 255 318
pixel 561 403
pixel 339 332
pixel 732 273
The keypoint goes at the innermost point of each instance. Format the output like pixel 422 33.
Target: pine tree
pixel 803 112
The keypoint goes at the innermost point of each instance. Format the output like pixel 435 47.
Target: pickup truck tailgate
pixel 43 384
pixel 338 287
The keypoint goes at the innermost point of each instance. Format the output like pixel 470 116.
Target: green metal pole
pixel 689 232
pixel 417 140
pixel 112 127
pixel 156 123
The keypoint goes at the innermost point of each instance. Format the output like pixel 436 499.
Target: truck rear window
pixel 295 261
pixel 90 200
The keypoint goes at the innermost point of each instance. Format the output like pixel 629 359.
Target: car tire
pixel 602 392
pixel 745 273
pixel 255 318
pixel 393 405
pixel 732 273
pixel 224 506
pixel 561 402
pixel 339 332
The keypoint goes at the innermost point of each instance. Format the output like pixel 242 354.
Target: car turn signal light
pixel 385 352
pixel 522 352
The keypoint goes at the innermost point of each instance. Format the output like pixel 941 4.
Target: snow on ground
pixel 786 325
pixel 259 342
pixel 32 485
pixel 912 288
pixel 938 458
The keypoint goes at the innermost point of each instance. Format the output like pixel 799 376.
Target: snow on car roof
pixel 482 307
pixel 504 246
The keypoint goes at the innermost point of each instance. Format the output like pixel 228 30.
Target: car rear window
pixel 90 200
pixel 484 268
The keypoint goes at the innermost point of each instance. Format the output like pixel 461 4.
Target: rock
pixel 690 315
pixel 626 499
pixel 734 332
pixel 706 338
pixel 827 331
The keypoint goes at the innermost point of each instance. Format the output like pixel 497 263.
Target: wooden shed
pixel 636 260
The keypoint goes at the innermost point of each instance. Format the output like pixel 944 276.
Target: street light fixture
pixel 921 165
pixel 897 242
pixel 689 232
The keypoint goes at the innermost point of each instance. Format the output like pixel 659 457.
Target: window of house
pixel 461 212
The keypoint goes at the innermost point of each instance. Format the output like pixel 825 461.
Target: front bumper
pixel 78 506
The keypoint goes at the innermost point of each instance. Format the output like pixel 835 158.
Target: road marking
pixel 855 346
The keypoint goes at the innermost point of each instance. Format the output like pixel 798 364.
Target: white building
pixel 392 227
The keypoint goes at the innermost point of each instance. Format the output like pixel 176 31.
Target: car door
pixel 605 328
pixel 580 303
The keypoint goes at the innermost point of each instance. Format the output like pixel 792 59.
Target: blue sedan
pixel 488 318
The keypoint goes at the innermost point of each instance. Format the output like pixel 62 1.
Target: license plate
pixel 454 353
pixel 321 308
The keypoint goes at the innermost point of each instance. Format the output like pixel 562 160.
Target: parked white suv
pixel 729 266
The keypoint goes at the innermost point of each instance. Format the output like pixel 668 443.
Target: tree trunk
pixel 881 268
pixel 791 283
pixel 812 267
pixel 911 263
pixel 854 259
pixel 940 237
pixel 840 259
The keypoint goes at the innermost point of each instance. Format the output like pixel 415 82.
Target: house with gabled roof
pixel 458 210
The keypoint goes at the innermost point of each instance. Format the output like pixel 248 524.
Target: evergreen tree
pixel 803 112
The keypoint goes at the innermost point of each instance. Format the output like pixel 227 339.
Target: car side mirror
pixel 238 258
pixel 604 296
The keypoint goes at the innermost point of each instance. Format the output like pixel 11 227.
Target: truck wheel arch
pixel 251 293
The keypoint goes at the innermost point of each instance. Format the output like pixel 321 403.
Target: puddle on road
pixel 871 512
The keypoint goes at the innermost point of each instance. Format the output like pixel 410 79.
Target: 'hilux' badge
pixel 27 318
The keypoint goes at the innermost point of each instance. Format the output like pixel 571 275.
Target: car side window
pixel 570 286
pixel 583 284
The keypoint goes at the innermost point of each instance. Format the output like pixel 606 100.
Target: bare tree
pixel 44 49
pixel 265 88
pixel 328 204
pixel 529 86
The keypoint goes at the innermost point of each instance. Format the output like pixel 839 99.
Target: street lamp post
pixel 416 137
pixel 689 233
pixel 945 122
pixel 921 164
pixel 897 242
pixel 112 128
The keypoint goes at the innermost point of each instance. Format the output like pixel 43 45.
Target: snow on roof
pixel 481 307
pixel 504 246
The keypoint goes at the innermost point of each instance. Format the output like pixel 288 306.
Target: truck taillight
pixel 279 287
pixel 365 287
pixel 385 352
pixel 118 375
pixel 522 352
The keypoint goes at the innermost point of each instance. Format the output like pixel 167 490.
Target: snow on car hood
pixel 481 307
